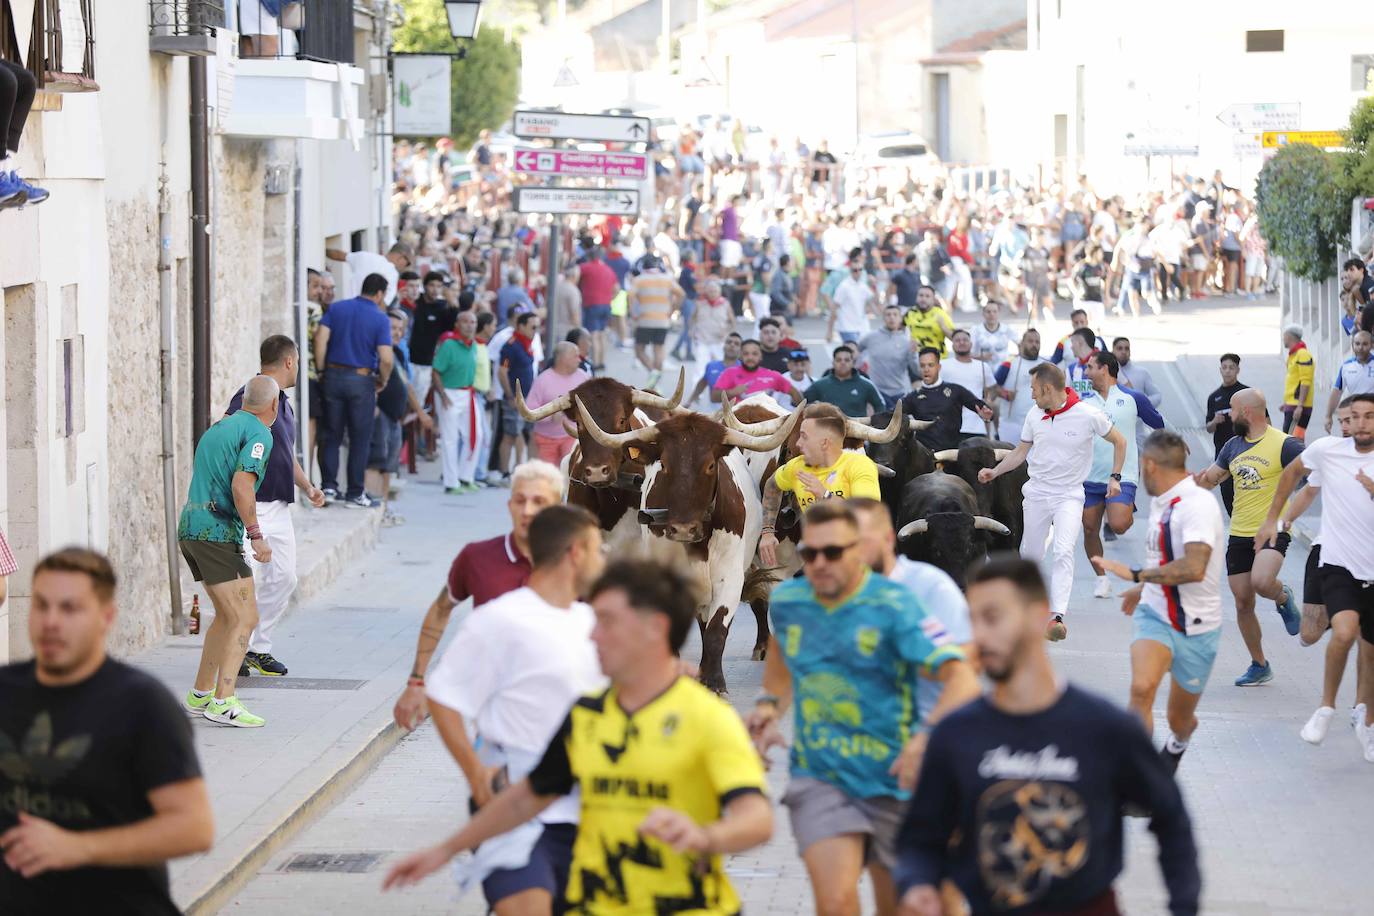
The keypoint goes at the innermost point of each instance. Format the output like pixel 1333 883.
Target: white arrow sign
pixel 617 201
pixel 1257 117
pixel 554 125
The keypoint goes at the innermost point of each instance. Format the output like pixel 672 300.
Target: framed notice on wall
pixel 422 88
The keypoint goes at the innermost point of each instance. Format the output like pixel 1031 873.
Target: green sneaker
pixel 232 712
pixel 195 705
pixel 470 487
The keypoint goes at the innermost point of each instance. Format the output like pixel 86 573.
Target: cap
pixel 798 356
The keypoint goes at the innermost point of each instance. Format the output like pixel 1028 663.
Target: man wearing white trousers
pixel 275 580
pixel 1057 441
pixel 460 405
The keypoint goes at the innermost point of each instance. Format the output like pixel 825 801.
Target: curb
pixel 328 790
pixel 314 581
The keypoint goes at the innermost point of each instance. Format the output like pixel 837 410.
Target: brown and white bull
pixel 698 491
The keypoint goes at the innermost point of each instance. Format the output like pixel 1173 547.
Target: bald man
pixel 1255 458
pixel 551 441
pixel 221 509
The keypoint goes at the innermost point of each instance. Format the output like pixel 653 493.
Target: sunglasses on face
pixel 831 552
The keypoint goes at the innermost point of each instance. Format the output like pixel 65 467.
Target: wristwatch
pixel 1116 477
pixel 1135 573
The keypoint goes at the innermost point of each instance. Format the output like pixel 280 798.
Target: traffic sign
pixel 1255 117
pixel 611 201
pixel 555 125
pixel 573 163
pixel 1246 144
pixel 1323 138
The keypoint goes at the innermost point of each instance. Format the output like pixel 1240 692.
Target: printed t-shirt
pixel 852 475
pixel 1185 514
pixel 1255 466
pixel 759 379
pixel 239 442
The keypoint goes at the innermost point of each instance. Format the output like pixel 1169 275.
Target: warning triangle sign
pixel 565 77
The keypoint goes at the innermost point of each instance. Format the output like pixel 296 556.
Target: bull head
pixel 980 522
pixel 853 429
pixel 564 402
pixel 648 435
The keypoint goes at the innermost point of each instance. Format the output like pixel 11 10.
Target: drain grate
pixel 349 863
pixel 298 683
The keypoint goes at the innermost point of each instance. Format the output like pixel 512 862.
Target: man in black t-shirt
pixel 433 317
pixel 99 782
pixel 1219 417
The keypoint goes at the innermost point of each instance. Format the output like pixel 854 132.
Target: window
pixel 1362 72
pixel 58 43
pixel 1264 40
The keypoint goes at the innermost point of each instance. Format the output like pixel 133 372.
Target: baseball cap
pixel 798 356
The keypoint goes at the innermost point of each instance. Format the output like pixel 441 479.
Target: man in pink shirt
pixel 551 441
pixel 748 377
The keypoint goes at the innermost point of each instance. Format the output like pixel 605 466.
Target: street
pixel 1265 805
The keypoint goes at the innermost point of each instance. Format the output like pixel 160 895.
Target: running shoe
pixel 195 705
pixel 331 495
pixel 1103 589
pixel 244 670
pixel 1171 760
pixel 264 663
pixel 469 486
pixel 1057 629
pixel 1256 675
pixel 1314 732
pixel 1289 611
pixel 1357 716
pixel 232 712
pixel 12 193
pixel 361 501
pixel 1107 533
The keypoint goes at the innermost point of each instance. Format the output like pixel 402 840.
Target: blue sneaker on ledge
pixel 1256 675
pixel 1288 610
pixel 11 185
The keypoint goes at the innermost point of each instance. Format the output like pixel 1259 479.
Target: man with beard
pixel 1013 378
pixel 749 376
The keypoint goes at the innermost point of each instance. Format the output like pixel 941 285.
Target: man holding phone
pixel 1219 416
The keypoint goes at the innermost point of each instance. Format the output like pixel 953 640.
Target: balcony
pixel 294 75
pixel 184 28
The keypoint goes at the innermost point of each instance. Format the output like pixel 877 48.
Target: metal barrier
pixel 1316 308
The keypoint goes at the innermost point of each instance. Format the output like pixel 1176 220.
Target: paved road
pixel 1282 826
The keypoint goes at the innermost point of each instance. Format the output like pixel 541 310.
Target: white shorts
pixel 731 253
pixel 1199 261
pixel 1255 267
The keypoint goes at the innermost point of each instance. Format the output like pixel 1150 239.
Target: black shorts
pixel 316 399
pixel 650 336
pixel 1302 414
pixel 1312 577
pixel 1346 593
pixel 547 869
pixel 1240 552
pixel 1232 256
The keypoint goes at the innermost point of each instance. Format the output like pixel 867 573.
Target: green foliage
pixel 485 85
pixel 1359 160
pixel 1304 209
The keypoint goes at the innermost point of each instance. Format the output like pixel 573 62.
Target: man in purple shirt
pixel 731 252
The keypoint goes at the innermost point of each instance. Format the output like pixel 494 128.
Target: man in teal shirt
pixel 221 507
pixel 842 386
pixel 853 644
pixel 459 404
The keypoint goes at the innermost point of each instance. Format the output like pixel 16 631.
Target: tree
pixel 485 83
pixel 1303 200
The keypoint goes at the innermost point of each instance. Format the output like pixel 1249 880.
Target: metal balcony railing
pixel 61 51
pixel 320 30
pixel 184 27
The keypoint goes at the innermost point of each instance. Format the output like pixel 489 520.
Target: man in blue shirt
pixel 852 643
pixel 353 344
pixel 730 353
pixel 512 296
pixel 516 367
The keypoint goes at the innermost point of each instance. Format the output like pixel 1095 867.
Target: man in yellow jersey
pixel 822 470
pixel 928 322
pixel 1255 458
pixel 1297 383
pixel 670 781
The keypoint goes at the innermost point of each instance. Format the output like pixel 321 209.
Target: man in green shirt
pixel 851 392
pixel 459 404
pixel 221 507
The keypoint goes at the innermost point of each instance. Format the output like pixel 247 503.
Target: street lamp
pixel 463 16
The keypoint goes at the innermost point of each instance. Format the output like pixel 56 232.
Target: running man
pixel 1254 458
pixel 942 402
pixel 670 783
pixel 482 571
pixel 1057 440
pixel 850 644
pixel 511 672
pixel 220 511
pixel 1344 469
pixel 1019 801
pixel 1177 604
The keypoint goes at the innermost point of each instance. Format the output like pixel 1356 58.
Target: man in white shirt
pixel 1014 380
pixel 1344 469
pixel 1058 441
pixel 1119 511
pixel 362 263
pixel 853 298
pixel 974 374
pixel 513 669
pixel 1355 375
pixel 1177 603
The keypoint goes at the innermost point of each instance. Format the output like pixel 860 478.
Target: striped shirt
pixel 1185 514
pixel 653 300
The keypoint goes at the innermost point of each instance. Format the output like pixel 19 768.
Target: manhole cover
pixel 352 863
pixel 298 683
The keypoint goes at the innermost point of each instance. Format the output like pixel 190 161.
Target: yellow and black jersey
pixel 688 750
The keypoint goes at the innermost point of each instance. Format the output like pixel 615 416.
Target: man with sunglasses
pixel 850 642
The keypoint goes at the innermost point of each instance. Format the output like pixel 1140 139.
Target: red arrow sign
pixel 575 164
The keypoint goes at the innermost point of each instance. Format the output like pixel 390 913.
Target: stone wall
pixel 238 271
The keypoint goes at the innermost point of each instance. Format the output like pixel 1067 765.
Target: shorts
pixel 1143 282
pixel 1256 267
pixel 1095 494
pixel 1232 256
pixel 820 811
pixel 1240 552
pixel 316 399
pixel 215 562
pixel 653 337
pixel 1303 415
pixel 1193 655
pixel 596 317
pixel 1312 577
pixel 850 336
pixel 731 253
pixel 512 424
pixel 1346 593
pixel 1199 261
pixel 385 453
pixel 547 869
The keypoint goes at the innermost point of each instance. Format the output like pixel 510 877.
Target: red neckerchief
pixel 1084 360
pixel 1296 347
pixel 524 341
pixel 454 335
pixel 1071 398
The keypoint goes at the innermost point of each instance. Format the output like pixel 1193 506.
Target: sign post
pixel 555 125
pixel 576 164
pixel 610 201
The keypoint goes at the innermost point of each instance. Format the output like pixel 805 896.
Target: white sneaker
pixel 1103 589
pixel 1357 716
pixel 1314 732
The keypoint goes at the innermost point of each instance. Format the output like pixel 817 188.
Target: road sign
pixel 616 201
pixel 555 125
pixel 1247 144
pixel 1261 116
pixel 1324 138
pixel 575 164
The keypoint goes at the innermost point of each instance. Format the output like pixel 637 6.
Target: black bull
pixel 939 523
pixel 1000 499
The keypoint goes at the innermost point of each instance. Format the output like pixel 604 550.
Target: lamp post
pixel 463 16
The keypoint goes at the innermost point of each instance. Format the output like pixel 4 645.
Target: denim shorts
pixel 1193 655
pixel 1095 494
pixel 385 453
pixel 596 317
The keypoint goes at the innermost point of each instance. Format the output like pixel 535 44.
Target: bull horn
pixel 761 428
pixel 1000 453
pixel 920 526
pixel 570 427
pixel 737 439
pixel 650 399
pixel 642 436
pixel 885 471
pixel 983 523
pixel 946 455
pixel 557 405
pixel 916 425
pixel 853 429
